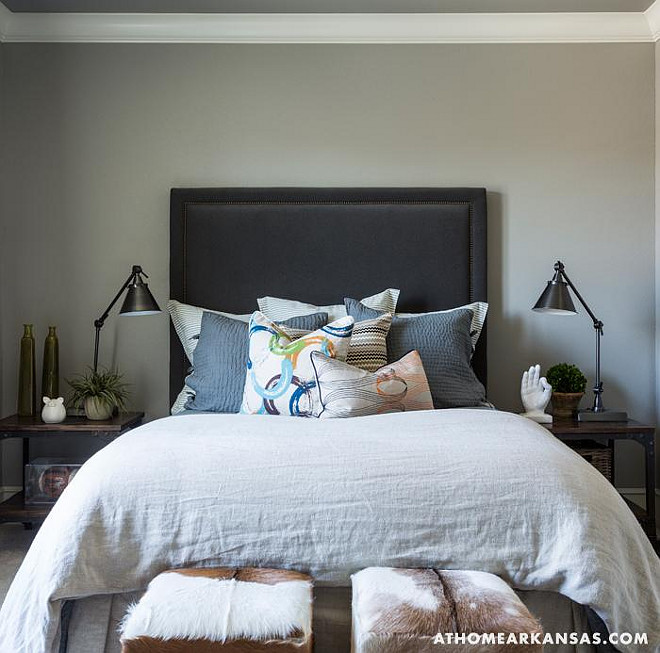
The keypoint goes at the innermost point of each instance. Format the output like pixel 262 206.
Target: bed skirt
pixel 90 625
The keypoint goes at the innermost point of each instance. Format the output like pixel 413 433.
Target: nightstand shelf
pixel 606 433
pixel 15 509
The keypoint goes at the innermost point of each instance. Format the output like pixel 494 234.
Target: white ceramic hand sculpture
pixel 535 392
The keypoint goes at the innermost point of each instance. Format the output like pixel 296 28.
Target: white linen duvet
pixel 461 489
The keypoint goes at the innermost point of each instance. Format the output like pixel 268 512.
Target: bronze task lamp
pixel 556 300
pixel 138 301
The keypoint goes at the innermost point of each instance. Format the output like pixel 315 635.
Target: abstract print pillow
pixel 280 377
pixel 345 391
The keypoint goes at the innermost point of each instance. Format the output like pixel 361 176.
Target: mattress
pixel 456 489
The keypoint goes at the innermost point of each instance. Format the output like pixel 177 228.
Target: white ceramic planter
pixel 97 409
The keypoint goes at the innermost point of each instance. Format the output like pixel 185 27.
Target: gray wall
pixel 5 451
pixel 657 238
pixel 561 135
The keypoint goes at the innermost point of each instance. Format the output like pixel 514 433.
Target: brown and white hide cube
pixel 221 610
pixel 404 610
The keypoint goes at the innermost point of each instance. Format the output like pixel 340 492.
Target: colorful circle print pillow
pixel 280 376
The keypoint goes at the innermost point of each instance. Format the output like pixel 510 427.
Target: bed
pixel 458 488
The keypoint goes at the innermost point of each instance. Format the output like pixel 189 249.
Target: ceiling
pixel 325 6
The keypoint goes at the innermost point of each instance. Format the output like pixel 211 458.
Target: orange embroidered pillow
pixel 346 391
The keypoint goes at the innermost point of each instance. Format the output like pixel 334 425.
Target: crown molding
pixel 604 27
pixel 653 17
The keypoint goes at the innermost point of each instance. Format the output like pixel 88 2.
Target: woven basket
pixel 599 456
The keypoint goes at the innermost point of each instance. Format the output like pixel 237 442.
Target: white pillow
pixel 279 309
pixel 179 404
pixel 280 376
pixel 187 322
pixel 479 311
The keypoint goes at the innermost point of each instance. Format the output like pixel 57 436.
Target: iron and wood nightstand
pixel 573 433
pixel 15 509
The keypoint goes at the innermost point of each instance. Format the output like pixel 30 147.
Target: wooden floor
pixel 14 543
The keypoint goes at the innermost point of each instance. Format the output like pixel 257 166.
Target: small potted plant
pixel 568 385
pixel 99 393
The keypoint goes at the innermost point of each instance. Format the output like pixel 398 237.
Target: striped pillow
pixel 368 348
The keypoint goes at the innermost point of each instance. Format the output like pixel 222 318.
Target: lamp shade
pixel 139 300
pixel 556 298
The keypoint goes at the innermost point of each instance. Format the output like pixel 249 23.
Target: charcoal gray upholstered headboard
pixel 229 246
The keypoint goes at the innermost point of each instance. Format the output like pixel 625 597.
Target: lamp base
pixel 589 415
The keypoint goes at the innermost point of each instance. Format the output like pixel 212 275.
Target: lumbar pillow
pixel 345 391
pixel 444 343
pixel 281 309
pixel 368 348
pixel 280 376
pixel 217 379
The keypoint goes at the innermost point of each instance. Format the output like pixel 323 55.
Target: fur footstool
pixel 224 610
pixel 422 610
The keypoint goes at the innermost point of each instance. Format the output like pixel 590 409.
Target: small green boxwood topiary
pixel 566 378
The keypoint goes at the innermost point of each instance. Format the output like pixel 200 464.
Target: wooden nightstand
pixel 15 509
pixel 605 433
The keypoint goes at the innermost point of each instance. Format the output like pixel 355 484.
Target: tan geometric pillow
pixel 368 348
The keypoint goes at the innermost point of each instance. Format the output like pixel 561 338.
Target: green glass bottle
pixel 27 382
pixel 50 378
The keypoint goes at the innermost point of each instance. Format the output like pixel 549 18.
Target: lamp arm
pixel 598 325
pixel 98 323
pixel 559 267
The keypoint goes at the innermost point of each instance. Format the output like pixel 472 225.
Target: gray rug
pixel 14 543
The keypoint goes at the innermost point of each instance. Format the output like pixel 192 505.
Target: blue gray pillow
pixel 220 358
pixel 444 344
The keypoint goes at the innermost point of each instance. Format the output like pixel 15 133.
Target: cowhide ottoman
pixel 225 610
pixel 424 610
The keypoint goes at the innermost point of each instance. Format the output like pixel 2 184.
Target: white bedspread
pixel 467 489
